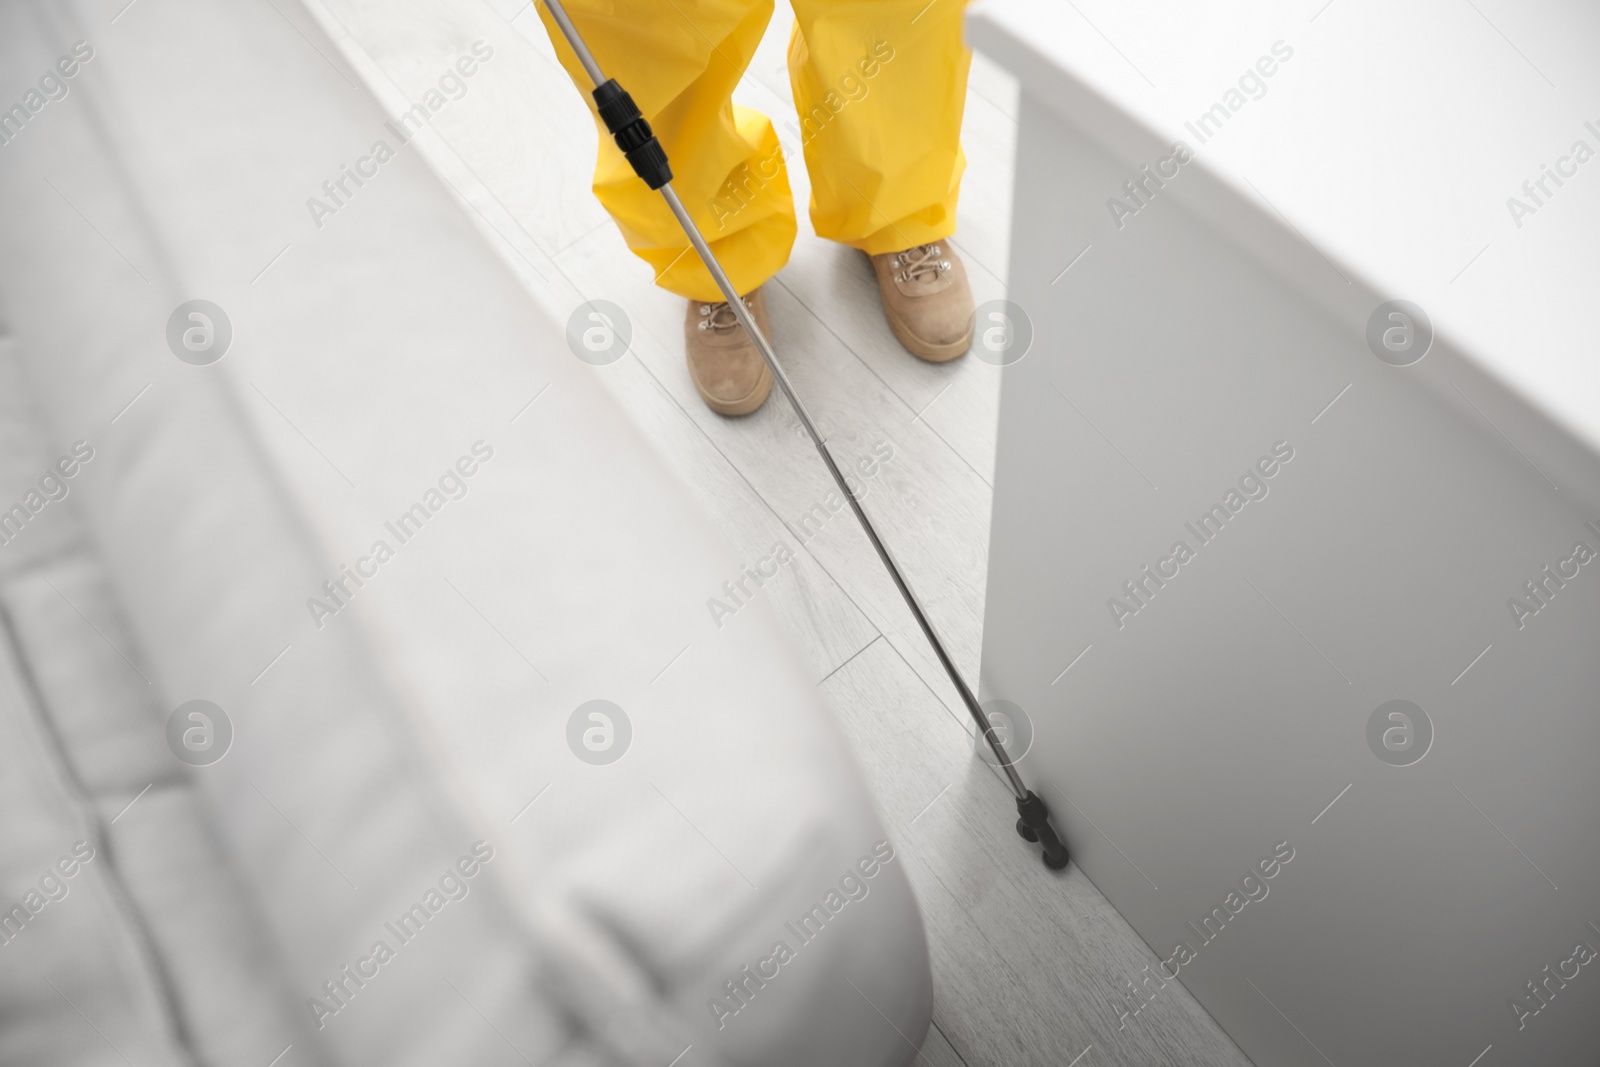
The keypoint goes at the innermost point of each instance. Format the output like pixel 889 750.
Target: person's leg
pixel 680 62
pixel 880 86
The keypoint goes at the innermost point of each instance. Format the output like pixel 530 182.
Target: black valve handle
pixel 632 133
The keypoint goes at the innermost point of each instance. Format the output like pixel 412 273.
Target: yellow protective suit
pixel 880 86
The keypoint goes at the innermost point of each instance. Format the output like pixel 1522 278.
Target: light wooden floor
pixel 1028 966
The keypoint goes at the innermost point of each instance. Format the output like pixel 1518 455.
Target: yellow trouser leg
pixel 880 86
pixel 680 61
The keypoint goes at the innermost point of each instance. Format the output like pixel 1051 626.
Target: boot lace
pixel 719 317
pixel 920 262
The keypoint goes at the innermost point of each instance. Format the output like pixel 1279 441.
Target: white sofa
pixel 405 755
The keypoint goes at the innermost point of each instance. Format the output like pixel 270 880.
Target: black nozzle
pixel 1034 825
pixel 632 134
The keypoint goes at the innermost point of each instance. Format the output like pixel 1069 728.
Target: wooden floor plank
pixel 993 83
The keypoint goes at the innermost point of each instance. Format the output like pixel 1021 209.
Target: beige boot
pixel 927 300
pixel 727 370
